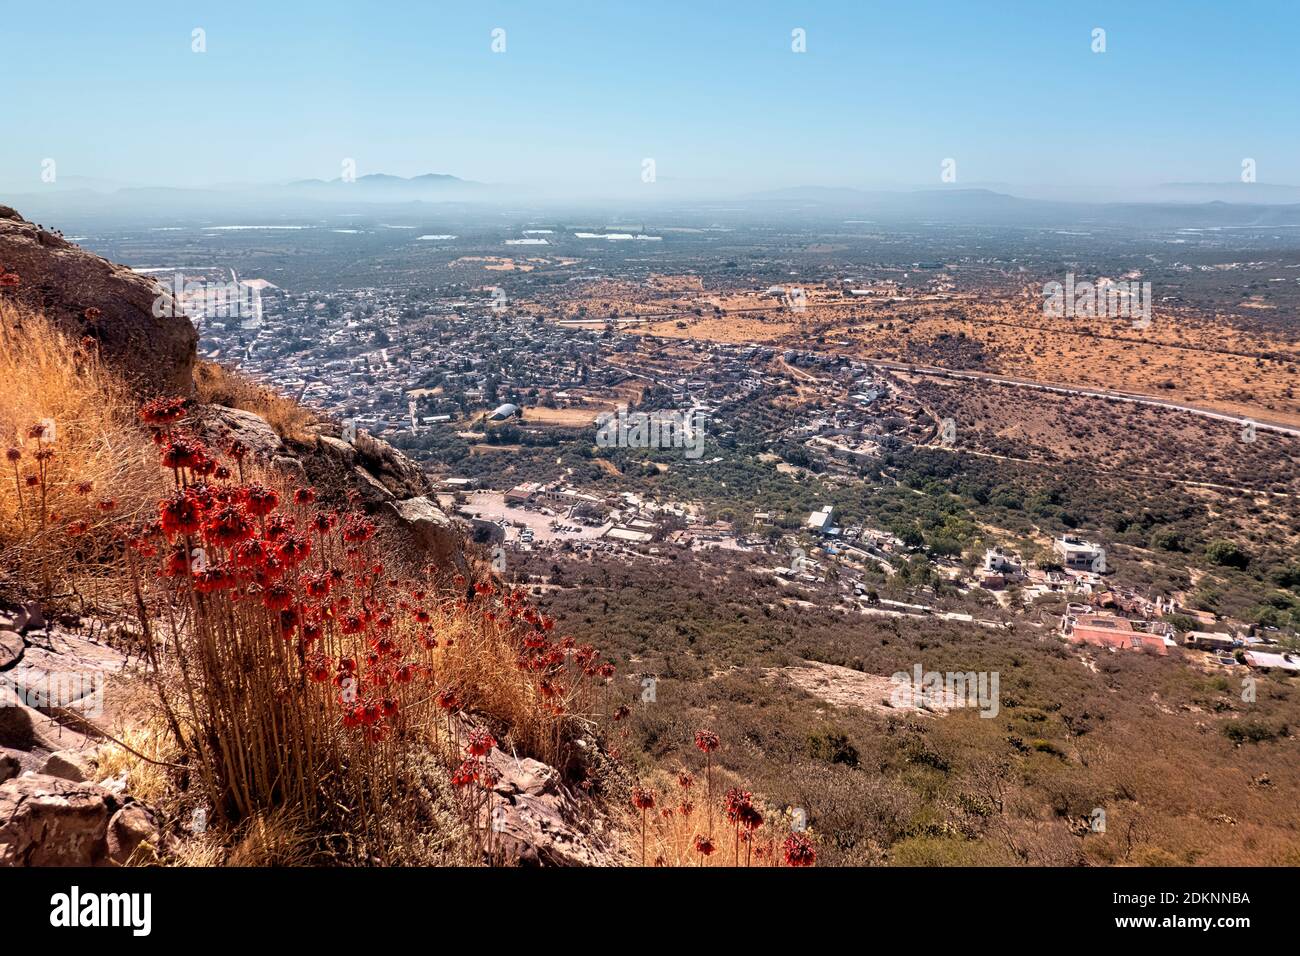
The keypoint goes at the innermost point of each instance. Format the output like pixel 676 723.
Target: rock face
pixel 435 534
pixel 387 484
pixel 536 821
pixel 63 281
pixel 11 649
pixel 48 667
pixel 48 821
pixel 73 765
pixel 220 424
pixel 386 473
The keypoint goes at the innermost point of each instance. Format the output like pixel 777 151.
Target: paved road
pixel 1260 424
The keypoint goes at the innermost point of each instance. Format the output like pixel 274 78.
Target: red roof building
pixel 1107 630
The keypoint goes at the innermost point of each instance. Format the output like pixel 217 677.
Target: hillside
pixel 220 643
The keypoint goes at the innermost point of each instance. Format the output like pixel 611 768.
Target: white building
pixel 1079 555
pixel 820 521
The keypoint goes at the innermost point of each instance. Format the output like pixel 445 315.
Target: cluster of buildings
pixel 857 413
pixel 394 362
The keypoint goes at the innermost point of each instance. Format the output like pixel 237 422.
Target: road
pixel 1136 399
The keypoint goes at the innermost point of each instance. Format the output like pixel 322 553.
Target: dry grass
pixel 89 469
pixel 299 675
pixel 683 813
pixel 218 385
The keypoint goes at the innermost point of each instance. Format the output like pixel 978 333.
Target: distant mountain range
pixel 1166 206
pixel 382 187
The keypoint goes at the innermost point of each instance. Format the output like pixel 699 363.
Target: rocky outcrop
pixel 536 821
pixel 435 534
pixel 221 425
pixel 11 649
pixel 387 484
pixel 50 821
pixel 90 296
pixel 385 473
pixel 75 765
pixel 50 668
pixel 396 472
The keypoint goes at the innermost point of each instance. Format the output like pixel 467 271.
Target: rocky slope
pixel 90 296
pixel 51 813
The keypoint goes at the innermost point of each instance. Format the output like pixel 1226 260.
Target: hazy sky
pixel 710 90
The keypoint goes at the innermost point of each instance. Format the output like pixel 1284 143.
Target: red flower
pixel 480 742
pixel 163 411
pixel 643 798
pixel 317 585
pixel 466 773
pixel 78 528
pixel 318 669
pixel 799 850
pixel 182 452
pixel 177 563
pixel 269 571
pixel 229 526
pixel 180 514
pixel 260 501
pixel 294 549
pixel 250 554
pixel 736 801
pixel 215 578
pixel 278 525
pixel 703 845
pixel 707 741
pixel 278 597
pixel 358 530
pixel 304 496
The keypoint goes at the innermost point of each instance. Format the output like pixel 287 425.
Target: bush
pixel 831 746
pixel 1226 554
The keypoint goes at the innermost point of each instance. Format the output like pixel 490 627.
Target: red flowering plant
pixel 679 835
pixel 311 675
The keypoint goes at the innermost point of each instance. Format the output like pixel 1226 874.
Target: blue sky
pixel 710 90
